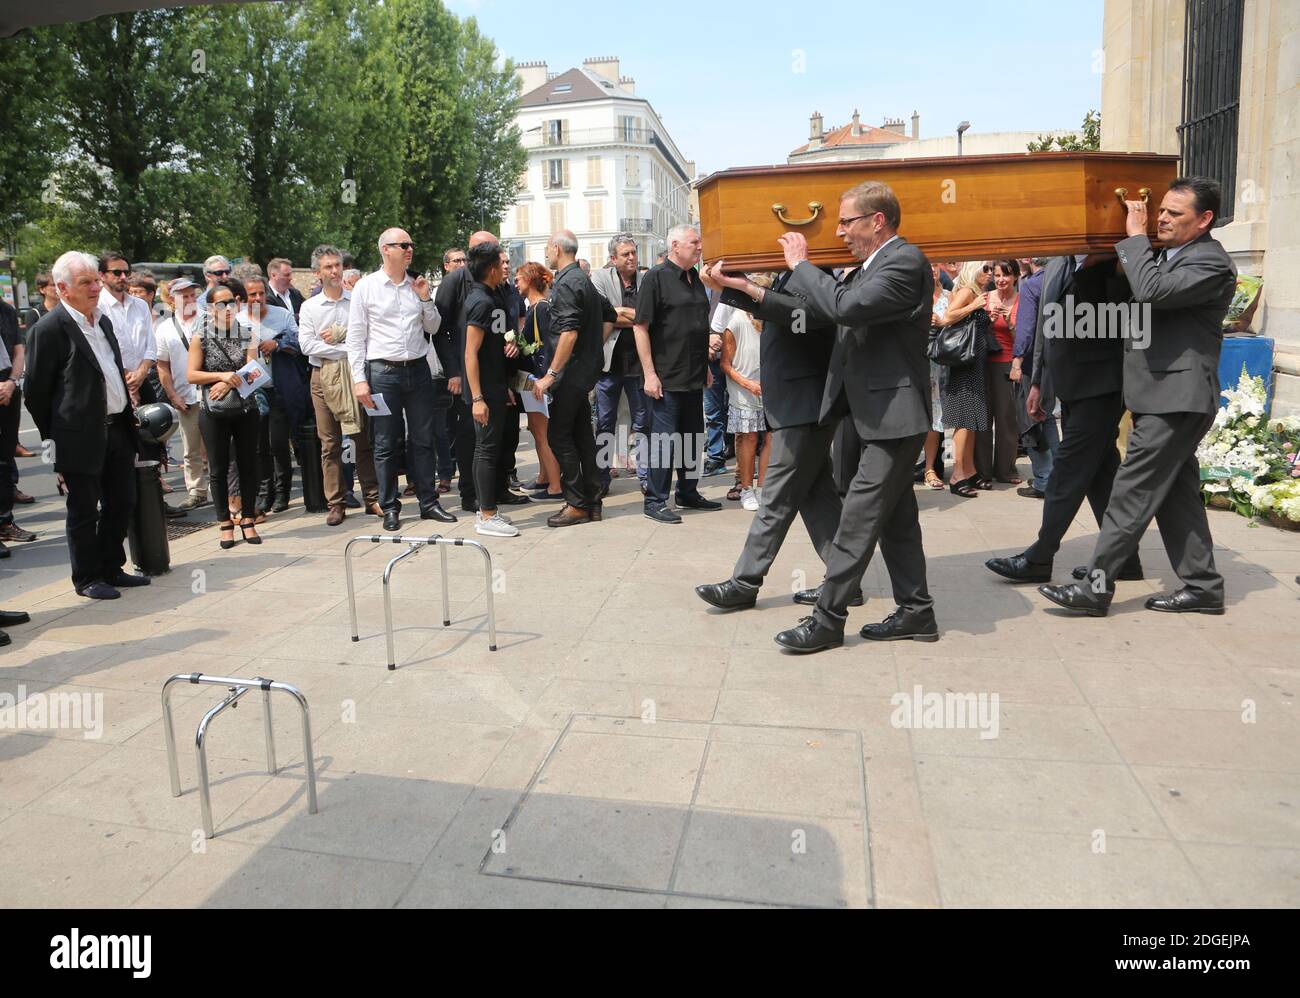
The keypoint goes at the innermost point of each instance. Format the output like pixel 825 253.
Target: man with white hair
pixel 672 340
pixel 389 325
pixel 214 269
pixel 77 395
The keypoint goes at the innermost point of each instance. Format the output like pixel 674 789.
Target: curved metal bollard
pixel 415 545
pixel 238 688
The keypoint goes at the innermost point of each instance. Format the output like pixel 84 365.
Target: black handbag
pixel 958 345
pixel 232 405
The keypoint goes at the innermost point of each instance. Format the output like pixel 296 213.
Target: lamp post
pixel 961 128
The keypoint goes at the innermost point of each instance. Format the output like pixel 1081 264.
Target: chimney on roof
pixel 530 75
pixel 856 130
pixel 627 83
pixel 815 129
pixel 603 65
pixel 895 125
pixel 916 125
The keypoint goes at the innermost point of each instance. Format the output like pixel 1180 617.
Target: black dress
pixel 537 330
pixel 965 400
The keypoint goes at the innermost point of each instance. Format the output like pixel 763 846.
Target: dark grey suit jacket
pixel 792 365
pixel 1079 368
pixel 879 364
pixel 1189 296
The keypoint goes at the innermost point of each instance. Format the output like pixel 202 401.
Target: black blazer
pixel 1080 367
pixel 879 364
pixel 449 340
pixel 293 304
pixel 65 393
pixel 792 364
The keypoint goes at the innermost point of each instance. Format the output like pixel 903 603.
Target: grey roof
pixel 582 85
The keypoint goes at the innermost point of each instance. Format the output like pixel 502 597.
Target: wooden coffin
pixel 954 207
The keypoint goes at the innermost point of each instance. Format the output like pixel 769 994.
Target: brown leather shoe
pixel 335 516
pixel 22 497
pixel 373 508
pixel 21 451
pixel 568 516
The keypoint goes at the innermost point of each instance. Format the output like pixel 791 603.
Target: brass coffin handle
pixel 814 206
pixel 1122 194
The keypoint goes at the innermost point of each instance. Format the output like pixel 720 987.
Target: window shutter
pixel 565 184
pixel 522 220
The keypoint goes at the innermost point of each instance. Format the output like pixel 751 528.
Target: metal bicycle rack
pixel 414 545
pixel 237 688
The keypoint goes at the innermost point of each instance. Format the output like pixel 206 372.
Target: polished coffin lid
pixel 953 207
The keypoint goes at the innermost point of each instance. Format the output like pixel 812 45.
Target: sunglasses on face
pixel 228 303
pixel 117 273
pixel 405 246
pixel 219 273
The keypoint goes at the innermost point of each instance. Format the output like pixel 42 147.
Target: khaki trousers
pixel 331 450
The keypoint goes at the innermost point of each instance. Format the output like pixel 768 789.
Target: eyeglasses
pixel 846 222
pixel 218 273
pixel 987 269
pixel 118 273
pixel 405 246
pixel 227 303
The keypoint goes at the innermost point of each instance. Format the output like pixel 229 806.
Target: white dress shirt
pixel 319 313
pixel 172 349
pixel 114 384
pixel 387 321
pixel 133 327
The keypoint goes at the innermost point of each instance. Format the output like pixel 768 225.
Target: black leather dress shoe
pixel 727 595
pixel 662 514
pixel 513 499
pixel 1179 601
pixel 903 625
pixel 280 505
pixel 1029 492
pixel 469 505
pixel 436 512
pixel 391 520
pixel 1132 572
pixel 1018 568
pixel 809 636
pixel 4 551
pixel 5 639
pixel 1079 599
pixel 11 618
pixel 98 590
pixel 124 580
pixel 697 502
pixel 809 597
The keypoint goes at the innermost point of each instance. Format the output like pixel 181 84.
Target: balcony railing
pixel 536 138
pixel 635 225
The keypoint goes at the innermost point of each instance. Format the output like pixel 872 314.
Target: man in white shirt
pixel 390 322
pixel 173 337
pixel 322 333
pixel 132 324
pixel 77 395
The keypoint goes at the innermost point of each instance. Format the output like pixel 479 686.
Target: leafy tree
pixel 1072 143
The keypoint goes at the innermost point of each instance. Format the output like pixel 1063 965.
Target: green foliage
pixel 1072 143
pixel 254 130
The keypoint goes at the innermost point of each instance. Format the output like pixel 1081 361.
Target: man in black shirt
pixel 578 314
pixel 672 340
pixel 485 379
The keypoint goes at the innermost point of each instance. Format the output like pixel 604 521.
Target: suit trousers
pixel 409 390
pixel 99 510
pixel 1160 479
pixel 331 449
pixel 572 441
pixel 274 461
pixel 799 482
pixel 996 449
pixel 10 417
pixel 880 508
pixel 846 454
pixel 1084 467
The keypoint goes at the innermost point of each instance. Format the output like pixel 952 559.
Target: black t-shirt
pixel 576 304
pixel 624 361
pixel 537 328
pixel 485 309
pixel 674 304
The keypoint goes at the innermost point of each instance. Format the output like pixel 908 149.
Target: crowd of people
pixel 823 386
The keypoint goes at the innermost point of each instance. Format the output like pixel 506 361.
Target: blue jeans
pixel 608 390
pixel 676 436
pixel 408 390
pixel 715 412
pixel 1041 457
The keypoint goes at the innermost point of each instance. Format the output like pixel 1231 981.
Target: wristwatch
pixel 552 373
pixel 477 398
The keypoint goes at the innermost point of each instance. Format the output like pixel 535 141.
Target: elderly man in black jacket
pixel 880 374
pixel 78 397
pixel 1171 385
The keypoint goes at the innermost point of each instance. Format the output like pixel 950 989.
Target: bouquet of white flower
pixel 1245 449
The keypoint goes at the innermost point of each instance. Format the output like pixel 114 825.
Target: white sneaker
pixel 494 526
pixel 748 500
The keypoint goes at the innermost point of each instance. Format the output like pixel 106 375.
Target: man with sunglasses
pixel 215 268
pixel 879 376
pixel 132 324
pixel 392 318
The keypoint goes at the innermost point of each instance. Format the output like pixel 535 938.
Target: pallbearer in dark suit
pixel 880 375
pixel 794 353
pixel 1087 374
pixel 1171 385
pixel 78 398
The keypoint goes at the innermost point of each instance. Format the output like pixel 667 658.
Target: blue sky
pixel 730 93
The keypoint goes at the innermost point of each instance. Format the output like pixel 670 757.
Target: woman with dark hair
pixel 996 449
pixel 537 343
pixel 222 346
